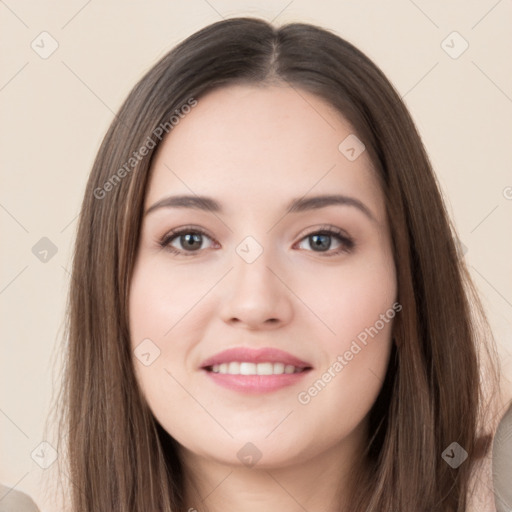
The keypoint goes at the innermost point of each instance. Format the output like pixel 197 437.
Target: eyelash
pixel 347 243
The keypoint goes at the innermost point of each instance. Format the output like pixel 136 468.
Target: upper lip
pixel 251 355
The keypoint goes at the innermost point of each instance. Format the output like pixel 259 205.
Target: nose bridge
pixel 255 250
pixel 256 294
pixel 253 262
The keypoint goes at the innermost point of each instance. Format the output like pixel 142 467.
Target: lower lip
pixel 256 383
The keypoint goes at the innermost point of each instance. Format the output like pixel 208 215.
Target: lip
pixel 251 355
pixel 255 384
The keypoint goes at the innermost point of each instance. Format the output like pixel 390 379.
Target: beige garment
pixel 12 500
pixel 502 464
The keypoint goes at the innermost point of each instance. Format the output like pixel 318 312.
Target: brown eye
pixel 189 241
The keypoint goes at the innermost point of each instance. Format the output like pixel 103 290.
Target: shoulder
pixel 490 488
pixel 502 463
pixel 12 500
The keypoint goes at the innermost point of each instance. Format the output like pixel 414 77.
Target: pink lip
pixel 250 355
pixel 255 383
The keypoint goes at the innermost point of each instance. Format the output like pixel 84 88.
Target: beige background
pixel 55 111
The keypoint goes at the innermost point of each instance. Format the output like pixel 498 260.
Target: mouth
pixel 249 368
pixel 255 371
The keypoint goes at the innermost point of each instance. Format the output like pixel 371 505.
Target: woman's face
pixel 266 283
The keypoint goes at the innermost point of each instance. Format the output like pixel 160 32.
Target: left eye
pixel 190 241
pixel 320 240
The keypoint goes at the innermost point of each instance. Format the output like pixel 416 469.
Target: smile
pixel 248 368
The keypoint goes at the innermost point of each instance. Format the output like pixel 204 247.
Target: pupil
pixel 191 238
pixel 321 245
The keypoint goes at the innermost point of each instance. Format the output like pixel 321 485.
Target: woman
pixel 223 353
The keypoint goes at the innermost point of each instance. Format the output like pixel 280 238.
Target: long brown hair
pixel 118 457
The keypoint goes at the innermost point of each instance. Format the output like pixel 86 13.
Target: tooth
pixel 247 369
pixel 264 368
pixel 278 368
pixel 234 368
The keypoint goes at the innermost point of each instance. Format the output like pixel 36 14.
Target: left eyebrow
pixel 310 203
pixel 297 205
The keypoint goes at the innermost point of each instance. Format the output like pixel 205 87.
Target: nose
pixel 255 295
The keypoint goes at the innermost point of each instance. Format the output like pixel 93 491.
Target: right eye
pixel 190 239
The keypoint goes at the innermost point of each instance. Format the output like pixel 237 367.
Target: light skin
pixel 254 149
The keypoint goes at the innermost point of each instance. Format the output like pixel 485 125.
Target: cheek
pixel 352 298
pixel 345 388
pixel 360 303
pixel 359 306
pixel 158 308
pixel 166 317
pixel 160 299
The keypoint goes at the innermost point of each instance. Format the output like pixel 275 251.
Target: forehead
pixel 260 145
